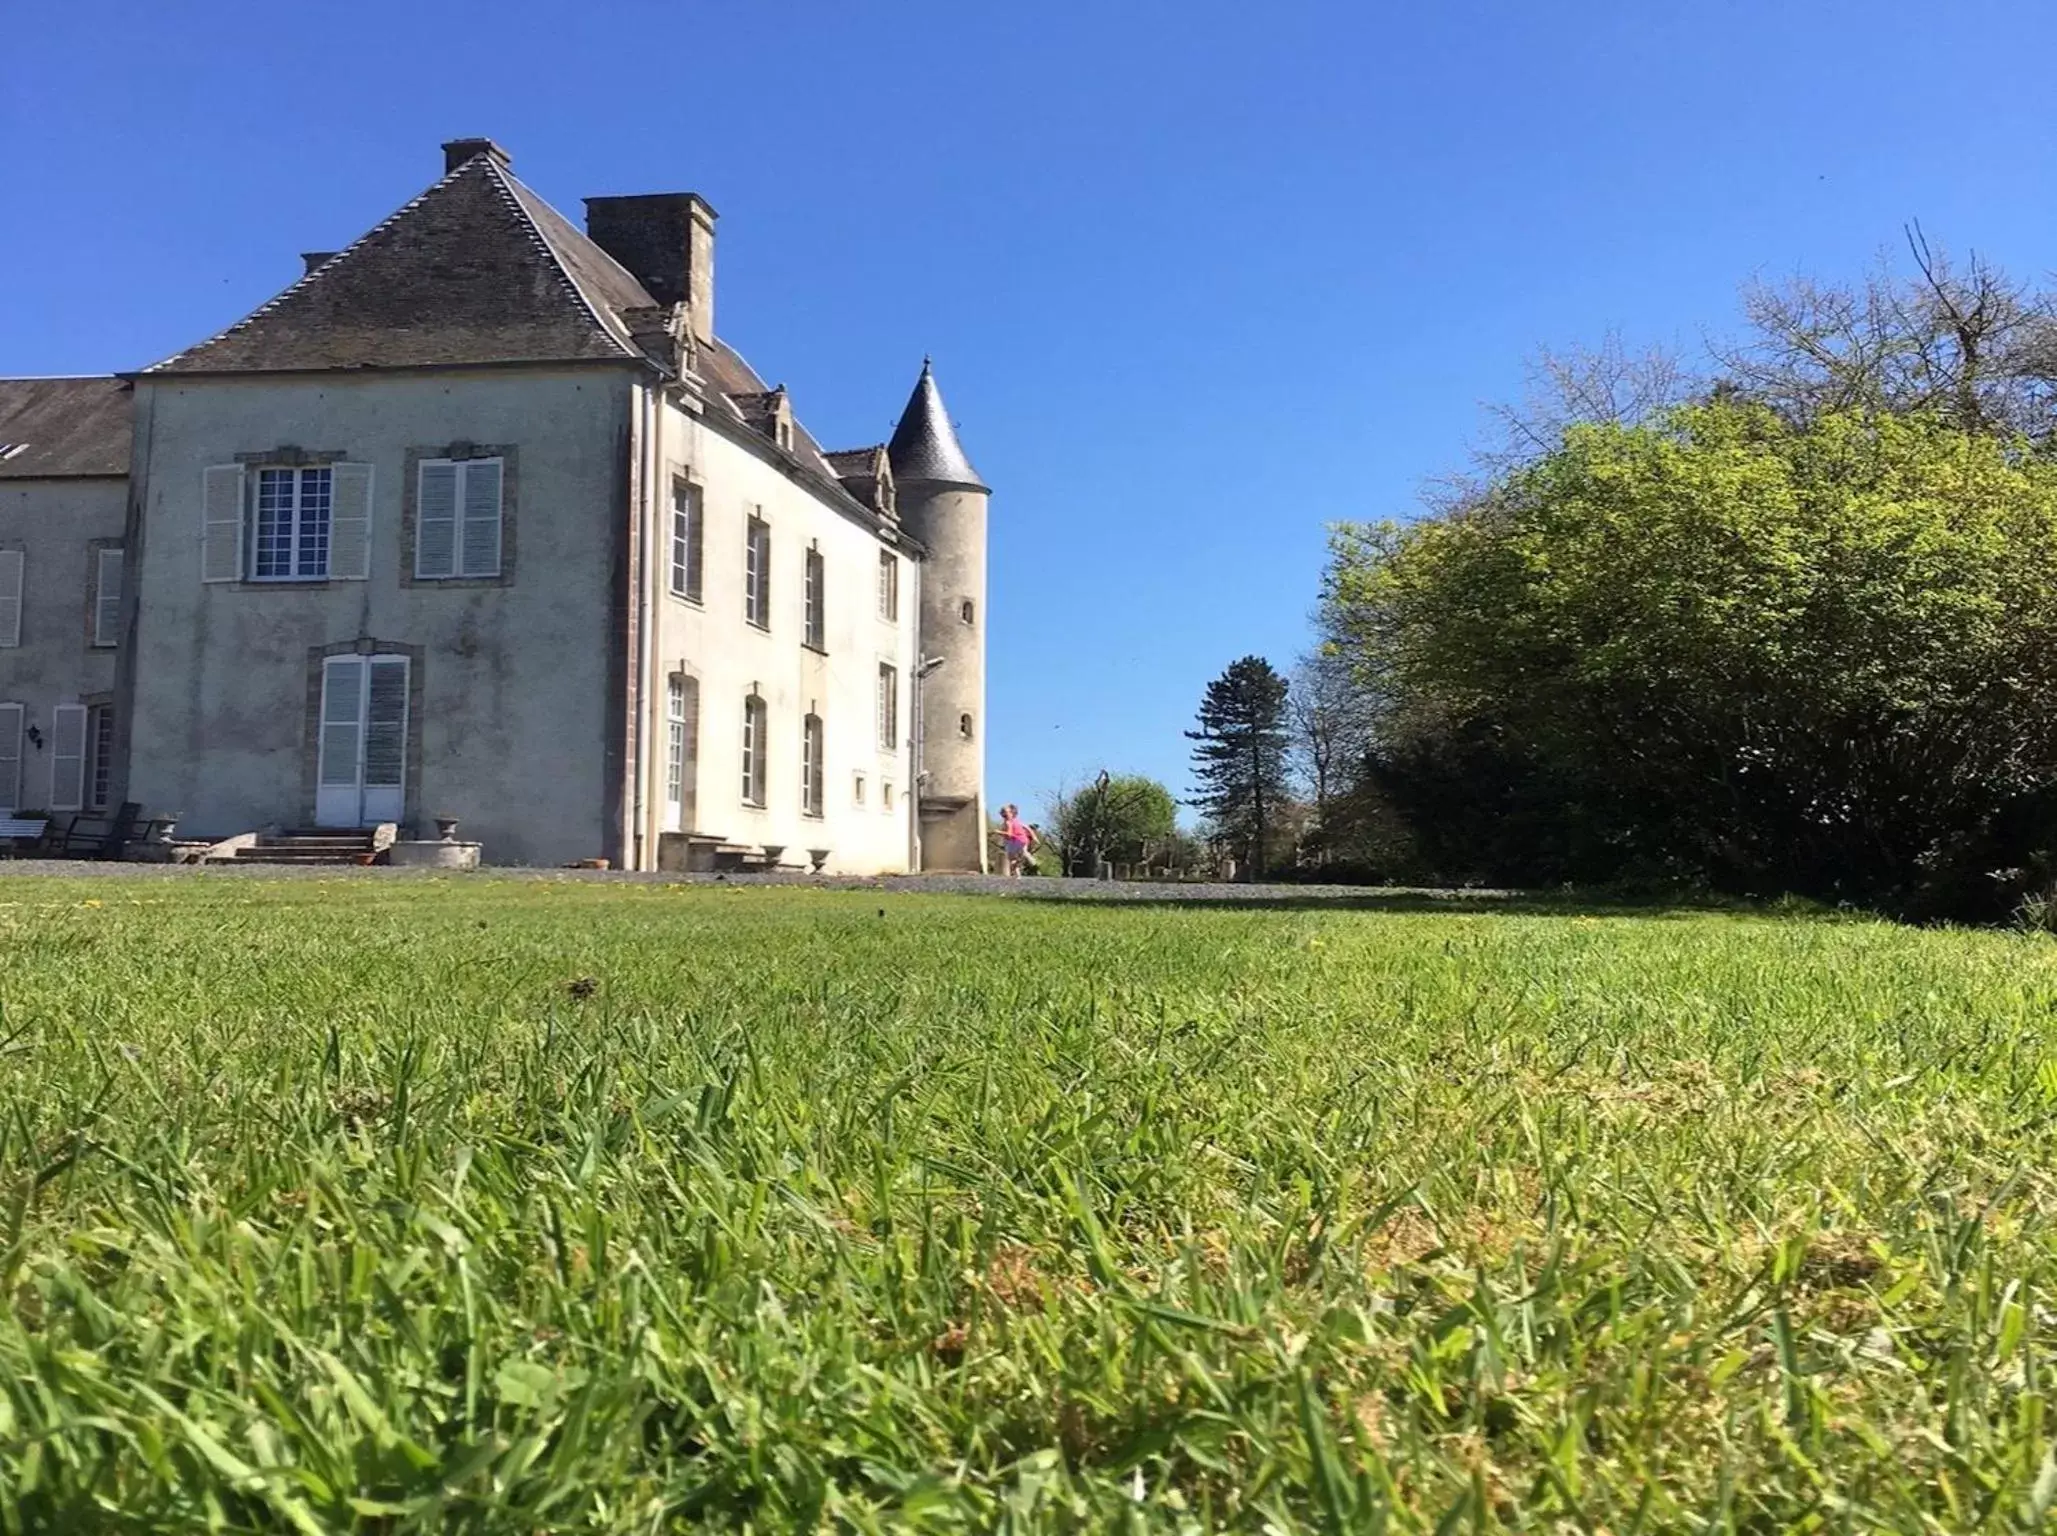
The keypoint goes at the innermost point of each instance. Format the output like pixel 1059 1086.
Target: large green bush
pixel 1820 659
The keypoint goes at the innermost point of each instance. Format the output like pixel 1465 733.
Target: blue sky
pixel 1199 278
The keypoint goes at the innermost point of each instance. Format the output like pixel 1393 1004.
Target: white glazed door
pixel 362 774
pixel 675 754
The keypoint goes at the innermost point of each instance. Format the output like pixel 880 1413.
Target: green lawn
pixel 505 1205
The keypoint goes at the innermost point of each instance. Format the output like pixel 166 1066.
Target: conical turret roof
pixel 924 445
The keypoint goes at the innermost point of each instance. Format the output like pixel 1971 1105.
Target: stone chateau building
pixel 480 518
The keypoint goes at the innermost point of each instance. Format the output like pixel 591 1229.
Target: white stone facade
pixel 475 522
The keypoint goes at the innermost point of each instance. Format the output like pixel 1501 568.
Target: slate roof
pixel 861 470
pixel 477 269
pixel 63 428
pixel 924 445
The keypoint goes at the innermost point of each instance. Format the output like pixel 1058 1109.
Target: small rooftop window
pixel 9 450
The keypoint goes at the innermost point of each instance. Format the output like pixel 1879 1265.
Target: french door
pixel 362 778
pixel 681 751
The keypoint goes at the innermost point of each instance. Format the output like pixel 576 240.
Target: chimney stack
pixel 315 260
pixel 458 151
pixel 666 242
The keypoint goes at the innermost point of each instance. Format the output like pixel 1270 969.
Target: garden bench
pixel 20 834
pixel 101 837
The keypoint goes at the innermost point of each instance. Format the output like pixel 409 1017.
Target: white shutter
pixel 481 542
pixel 221 523
pixel 107 598
pixel 342 721
pixel 10 758
pixel 385 723
pixel 435 521
pixel 349 522
pixel 68 757
pixel 11 563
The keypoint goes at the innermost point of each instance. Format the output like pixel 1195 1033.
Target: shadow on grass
pixel 1571 903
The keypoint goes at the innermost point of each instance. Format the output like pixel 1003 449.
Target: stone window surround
pixel 285 456
pixel 812 558
pixel 753 520
pixel 93 548
pixel 310 720
pixel 410 495
pixel 681 476
pixel 757 753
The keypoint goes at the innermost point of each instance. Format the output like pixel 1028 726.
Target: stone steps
pixel 314 846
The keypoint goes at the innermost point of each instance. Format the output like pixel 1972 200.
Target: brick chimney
pixel 666 241
pixel 457 151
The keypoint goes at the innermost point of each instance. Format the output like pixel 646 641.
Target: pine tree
pixel 1241 756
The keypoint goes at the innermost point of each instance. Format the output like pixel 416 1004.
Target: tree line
pixel 1783 620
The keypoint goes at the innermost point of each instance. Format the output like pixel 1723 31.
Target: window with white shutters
pixel 12 565
pixel 10 757
pixel 757 573
pixel 68 757
pixel 107 596
pixel 688 535
pixel 457 521
pixel 810 766
pixel 889 708
pixel 754 723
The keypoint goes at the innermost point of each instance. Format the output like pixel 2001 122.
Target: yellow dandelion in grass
pixel 93 903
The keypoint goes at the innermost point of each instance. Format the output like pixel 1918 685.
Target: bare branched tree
pixel 1612 382
pixel 1329 724
pixel 1966 342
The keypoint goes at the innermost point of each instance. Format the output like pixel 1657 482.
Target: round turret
pixel 942 502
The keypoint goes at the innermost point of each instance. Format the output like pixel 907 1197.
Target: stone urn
pixel 446 829
pixel 818 857
pixel 167 827
pixel 773 852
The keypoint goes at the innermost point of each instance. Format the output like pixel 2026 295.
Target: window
pixel 964 726
pixel 106 596
pixel 757 573
pixel 857 796
pixel 457 519
pixel 889 585
pixel 11 563
pixel 817 596
pixel 889 709
pixel 99 756
pixel 886 794
pixel 753 750
pixel 68 757
pixel 290 541
pixel 810 766
pixel 675 740
pixel 688 531
pixel 965 610
pixel 10 757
